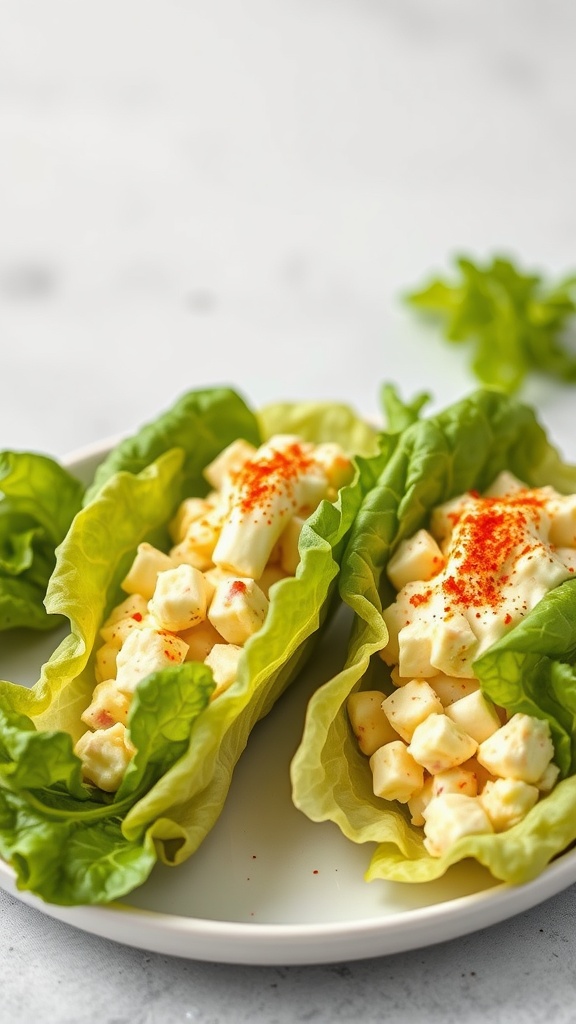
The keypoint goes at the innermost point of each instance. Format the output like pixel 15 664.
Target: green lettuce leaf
pixel 515 322
pixel 65 838
pixel 38 500
pixel 176 786
pixel 201 423
pixel 461 449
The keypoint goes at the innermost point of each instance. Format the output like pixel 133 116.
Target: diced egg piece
pixel 475 715
pixel 444 517
pixel 418 558
pixel 180 598
pixel 395 774
pixel 223 660
pixel 549 778
pixel 507 801
pixel 105 662
pixel 563 525
pixel 450 817
pixel 188 510
pixel 420 801
pixel 134 606
pixel 455 780
pixel 394 620
pixel 197 546
pixel 288 545
pixel 115 634
pixel 148 562
pixel 335 464
pixel 272 574
pixel 415 650
pixel 438 744
pixel 453 688
pixel 228 463
pixel 409 705
pixel 369 722
pixel 238 609
pixel 520 749
pixel 453 646
pixel 105 755
pixel 145 651
pixel 108 706
pixel 503 485
pixel 200 640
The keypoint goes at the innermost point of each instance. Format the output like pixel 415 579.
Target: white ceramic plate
pixel 270 887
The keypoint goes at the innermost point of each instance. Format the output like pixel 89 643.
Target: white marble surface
pixel 202 192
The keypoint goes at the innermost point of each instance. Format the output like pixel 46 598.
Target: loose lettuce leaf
pixel 463 448
pixel 176 787
pixel 516 322
pixel 38 500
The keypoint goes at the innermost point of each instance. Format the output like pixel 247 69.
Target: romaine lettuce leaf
pixel 38 500
pixel 173 794
pixel 461 449
pixel 65 838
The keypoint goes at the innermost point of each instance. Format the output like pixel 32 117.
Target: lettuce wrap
pixel 531 669
pixel 69 842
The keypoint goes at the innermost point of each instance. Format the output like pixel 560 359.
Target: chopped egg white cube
pixel 563 525
pixel 134 606
pixel 420 800
pixel 221 471
pixel 148 562
pixel 200 640
pixel 180 598
pixel 453 688
pixel 288 545
pixel 455 780
pixel 108 706
pixel 272 574
pixel 503 485
pixel 105 755
pixel 475 715
pixel 105 662
pixel 454 646
pixel 198 544
pixel 223 660
pixel 238 609
pixel 450 817
pixel 115 634
pixel 548 779
pixel 438 744
pixel 418 558
pixel 394 620
pixel 145 651
pixel 415 651
pixel 507 801
pixel 395 774
pixel 188 510
pixel 409 705
pixel 369 722
pixel 520 749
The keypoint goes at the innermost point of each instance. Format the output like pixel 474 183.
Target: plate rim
pixel 259 944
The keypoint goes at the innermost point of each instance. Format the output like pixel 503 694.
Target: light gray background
pixel 202 192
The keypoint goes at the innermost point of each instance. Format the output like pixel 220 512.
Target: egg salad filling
pixel 204 598
pixel 436 744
